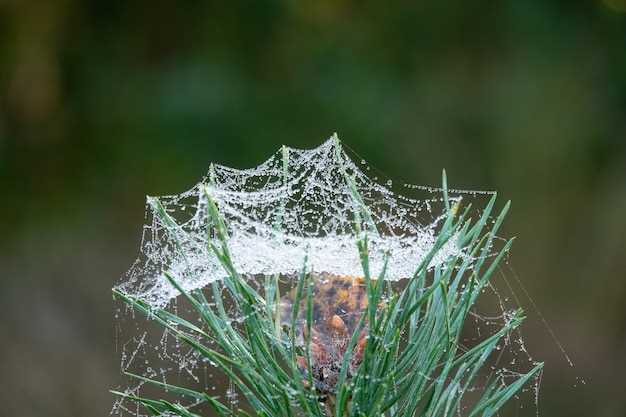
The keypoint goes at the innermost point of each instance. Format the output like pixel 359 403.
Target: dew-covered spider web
pixel 297 203
pixel 298 206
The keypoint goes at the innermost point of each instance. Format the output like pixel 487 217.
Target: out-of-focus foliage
pixel 103 102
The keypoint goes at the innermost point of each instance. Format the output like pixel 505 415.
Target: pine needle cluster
pixel 413 363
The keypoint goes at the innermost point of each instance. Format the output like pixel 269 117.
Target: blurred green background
pixel 103 102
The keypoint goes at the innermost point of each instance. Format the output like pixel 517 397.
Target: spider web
pixel 297 203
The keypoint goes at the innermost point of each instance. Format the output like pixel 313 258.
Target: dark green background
pixel 104 102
